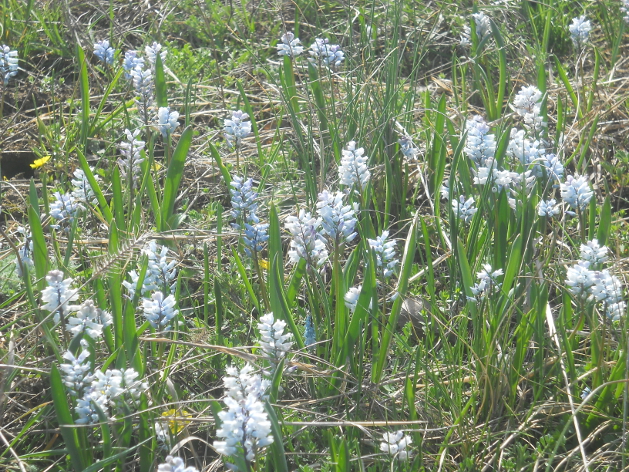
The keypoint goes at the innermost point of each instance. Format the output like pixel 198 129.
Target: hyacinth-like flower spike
pixel 624 8
pixel 131 62
pixel 143 85
pixel 528 104
pixel 175 464
pixel 25 252
pixel 274 343
pixel 464 209
pixel 244 200
pixel 339 220
pixel 167 121
pixel 237 128
pixel 576 192
pixel 325 53
pixel 64 209
pixel 255 238
pixel 152 50
pixel 83 192
pixel 483 25
pixel 408 148
pixel 8 63
pixel 385 254
pixel 289 45
pixel 395 444
pixel 160 310
pixel 310 335
pixel 307 242
pixel 245 427
pixel 104 52
pixel 90 320
pixel 593 252
pixel 548 208
pixel 580 31
pixel 131 150
pixel 480 146
pixel 162 273
pixel 58 295
pixel 76 374
pixel 353 169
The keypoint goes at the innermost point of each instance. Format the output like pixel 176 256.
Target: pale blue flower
pixel 289 45
pixel 576 192
pixel 274 343
pixel 325 53
pixel 353 169
pixel 480 146
pixel 104 52
pixel 131 62
pixel 580 31
pixel 58 295
pixel 244 201
pixel 548 208
pixel 528 104
pixel 89 319
pixel 385 254
pixel 167 121
pixel 255 237
pixel 464 209
pixel 25 252
pixel 175 464
pixel 338 220
pixel 580 278
pixel 310 336
pixel 131 149
pixel 65 208
pixel 395 444
pixel 483 25
pixel 307 242
pixel 160 310
pixel 76 373
pixel 593 252
pixel 237 128
pixel 152 50
pixel 408 148
pixel 8 63
pixel 88 407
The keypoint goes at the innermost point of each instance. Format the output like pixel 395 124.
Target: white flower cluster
pixel 483 29
pixel 175 464
pixel 89 319
pixel 76 374
pixel 353 169
pixel 25 252
pixel 131 149
pixel 289 45
pixel 159 310
pixel 83 192
pixel 58 295
pixel 113 388
pixel 408 148
pixel 245 427
pixel 104 52
pixel 8 63
pixel 64 209
pixel 143 78
pixel 464 209
pixel 487 283
pixel 274 343
pixel 307 242
pixel 576 192
pixel 395 444
pixel 167 121
pixel 160 273
pixel 624 8
pixel 385 254
pixel 244 200
pixel 338 220
pixel 325 53
pixel 480 146
pixel 548 208
pixel 580 31
pixel 597 285
pixel 528 104
pixel 237 128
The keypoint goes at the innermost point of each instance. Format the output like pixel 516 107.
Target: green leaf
pixel 85 96
pixel 40 251
pixel 98 193
pixel 161 96
pixel 605 222
pixel 173 177
pixel 279 305
pixel 65 420
pixel 278 454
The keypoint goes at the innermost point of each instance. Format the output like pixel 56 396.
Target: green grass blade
pixel 64 418
pixel 102 203
pixel 173 179
pixel 161 94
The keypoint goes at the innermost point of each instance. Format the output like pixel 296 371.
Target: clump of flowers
pixel 167 121
pixel 307 243
pixel 548 208
pixel 325 53
pixel 483 29
pixel 408 148
pixel 104 52
pixel 289 45
pixel 464 209
pixel 353 169
pixel 25 252
pixel 65 208
pixel 160 310
pixel 273 341
pixel 385 254
pixel 89 319
pixel 175 464
pixel 245 427
pixel 143 85
pixel 76 374
pixel 395 444
pixel 83 192
pixel 58 295
pixel 487 282
pixel 310 335
pixel 338 220
pixel 528 104
pixel 8 63
pixel 480 145
pixel 152 50
pixel 131 62
pixel 131 150
pixel 160 273
pixel 237 128
pixel 580 31
pixel 576 192
pixel 244 201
